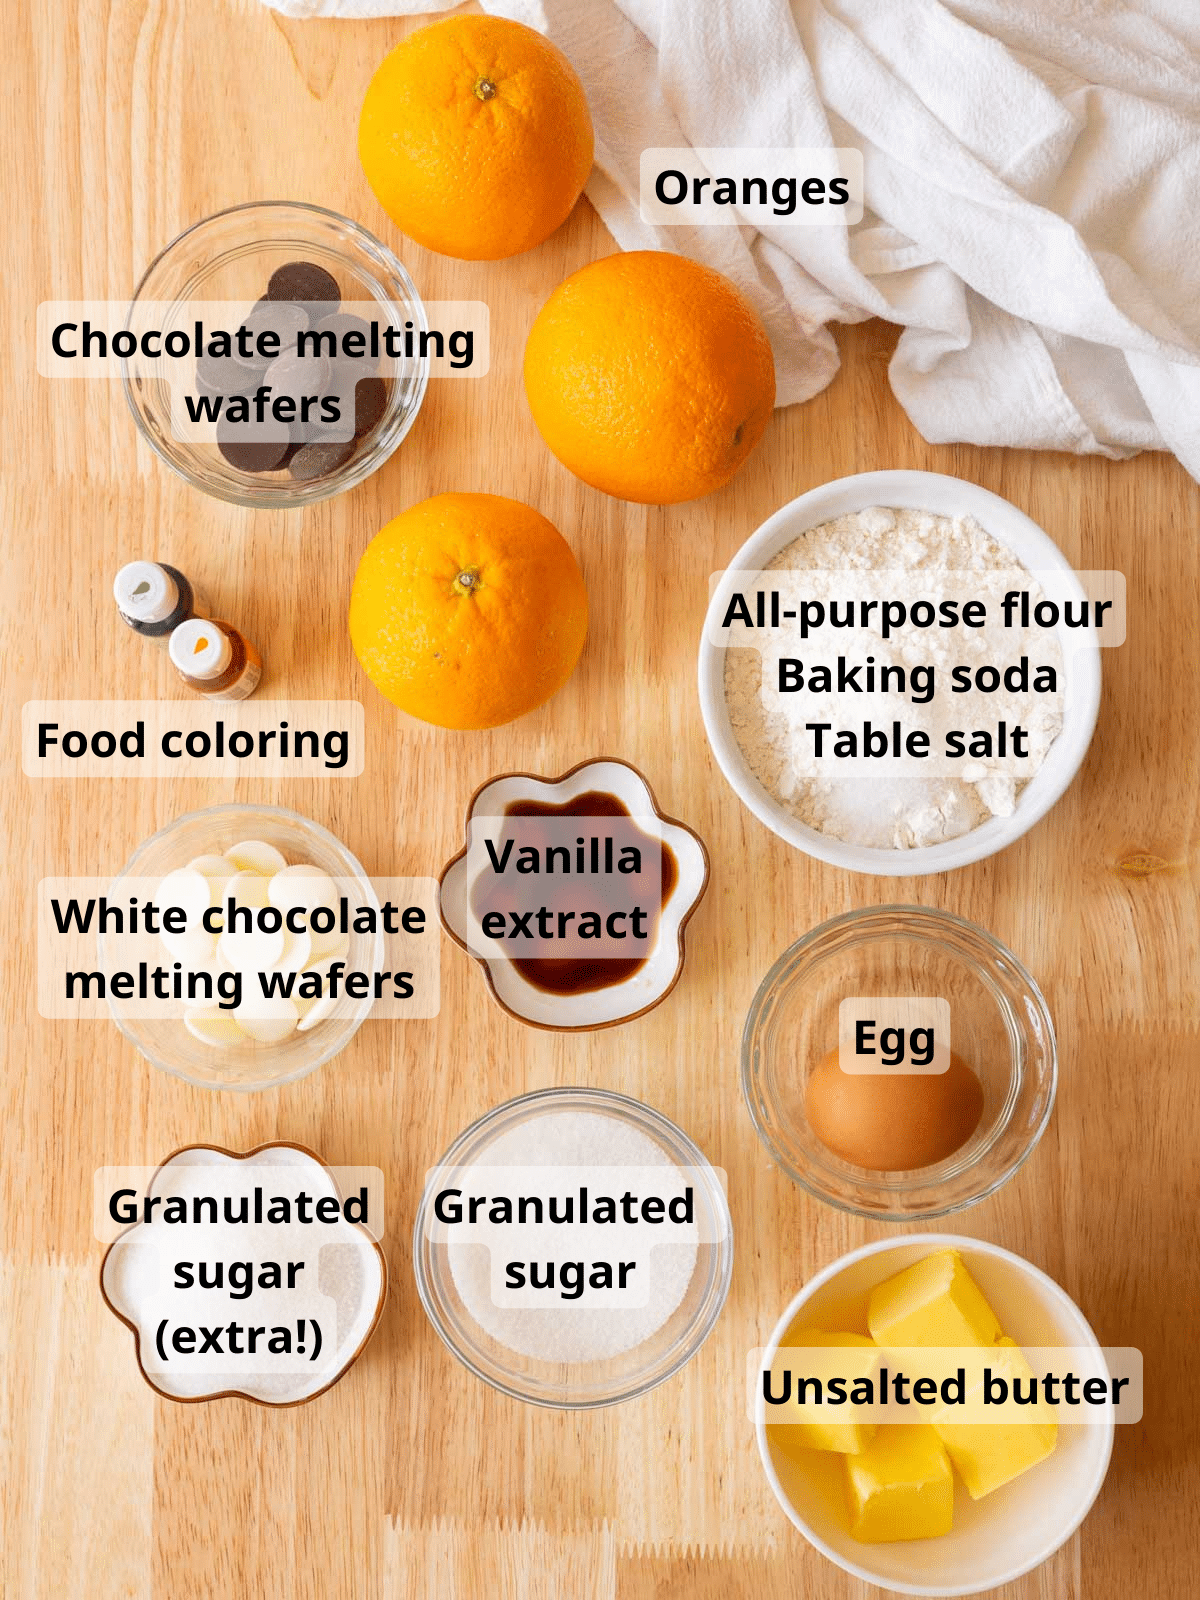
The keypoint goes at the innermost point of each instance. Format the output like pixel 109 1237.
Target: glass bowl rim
pixel 936 923
pixel 306 495
pixel 283 813
pixel 625 1107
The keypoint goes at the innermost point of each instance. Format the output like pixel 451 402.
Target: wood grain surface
pixel 123 122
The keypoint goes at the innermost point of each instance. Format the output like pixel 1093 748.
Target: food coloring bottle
pixel 215 659
pixel 154 598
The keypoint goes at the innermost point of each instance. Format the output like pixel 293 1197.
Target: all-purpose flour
pixel 884 802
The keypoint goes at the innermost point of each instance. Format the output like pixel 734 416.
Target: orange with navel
pixel 650 376
pixel 476 138
pixel 468 610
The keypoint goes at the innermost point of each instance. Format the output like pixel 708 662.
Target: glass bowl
pixel 581 1385
pixel 164 1040
pixel 229 257
pixel 1000 1026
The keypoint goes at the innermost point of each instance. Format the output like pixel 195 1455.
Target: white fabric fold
pixel 1032 192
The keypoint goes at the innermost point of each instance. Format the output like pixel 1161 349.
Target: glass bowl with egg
pixel 228 1058
pixel 900 1145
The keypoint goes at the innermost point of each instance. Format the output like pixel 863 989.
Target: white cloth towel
pixel 1032 190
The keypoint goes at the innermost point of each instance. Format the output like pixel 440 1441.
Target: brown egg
pixel 893 1122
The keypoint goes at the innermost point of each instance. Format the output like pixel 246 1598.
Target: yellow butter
pixel 933 1303
pixel 988 1454
pixel 818 1427
pixel 900 1486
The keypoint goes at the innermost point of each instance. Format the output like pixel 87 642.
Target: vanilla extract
pixel 605 885
pixel 593 854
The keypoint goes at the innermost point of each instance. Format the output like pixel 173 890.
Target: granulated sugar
pixel 561 1332
pixel 340 1284
pixel 882 803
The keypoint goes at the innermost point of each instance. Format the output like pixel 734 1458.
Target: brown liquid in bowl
pixel 652 887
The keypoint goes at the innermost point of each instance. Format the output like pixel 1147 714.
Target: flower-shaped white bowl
pixel 121 1274
pixel 653 982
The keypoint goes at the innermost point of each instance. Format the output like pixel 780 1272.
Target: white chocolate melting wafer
pixel 305 1002
pixel 317 1012
pixel 251 952
pixel 188 890
pixel 217 869
pixel 297 952
pixel 328 946
pixel 253 855
pixel 247 889
pixel 267 1021
pixel 213 1026
pixel 196 949
pixel 305 886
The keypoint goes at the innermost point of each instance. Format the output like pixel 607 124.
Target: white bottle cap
pixel 199 649
pixel 145 591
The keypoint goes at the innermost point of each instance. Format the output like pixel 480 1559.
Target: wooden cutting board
pixel 410 1480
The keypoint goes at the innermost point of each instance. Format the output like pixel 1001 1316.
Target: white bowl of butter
pixel 940 497
pixel 1010 1530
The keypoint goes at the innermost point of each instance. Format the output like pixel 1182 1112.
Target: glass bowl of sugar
pixel 833 1138
pixel 559 1338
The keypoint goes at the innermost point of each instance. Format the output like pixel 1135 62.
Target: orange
pixel 468 610
pixel 650 376
pixel 476 138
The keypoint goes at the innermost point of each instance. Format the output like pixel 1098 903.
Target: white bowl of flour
pixel 855 597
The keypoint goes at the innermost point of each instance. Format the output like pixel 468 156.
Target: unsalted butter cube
pixel 900 1486
pixel 933 1303
pixel 808 1426
pixel 988 1454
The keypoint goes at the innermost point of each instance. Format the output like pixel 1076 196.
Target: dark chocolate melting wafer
pixel 297 376
pixel 320 458
pixel 339 325
pixel 370 402
pixel 319 311
pixel 254 446
pixel 303 379
pixel 285 320
pixel 304 280
pixel 223 375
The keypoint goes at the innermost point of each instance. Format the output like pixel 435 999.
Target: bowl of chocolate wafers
pixel 279 357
